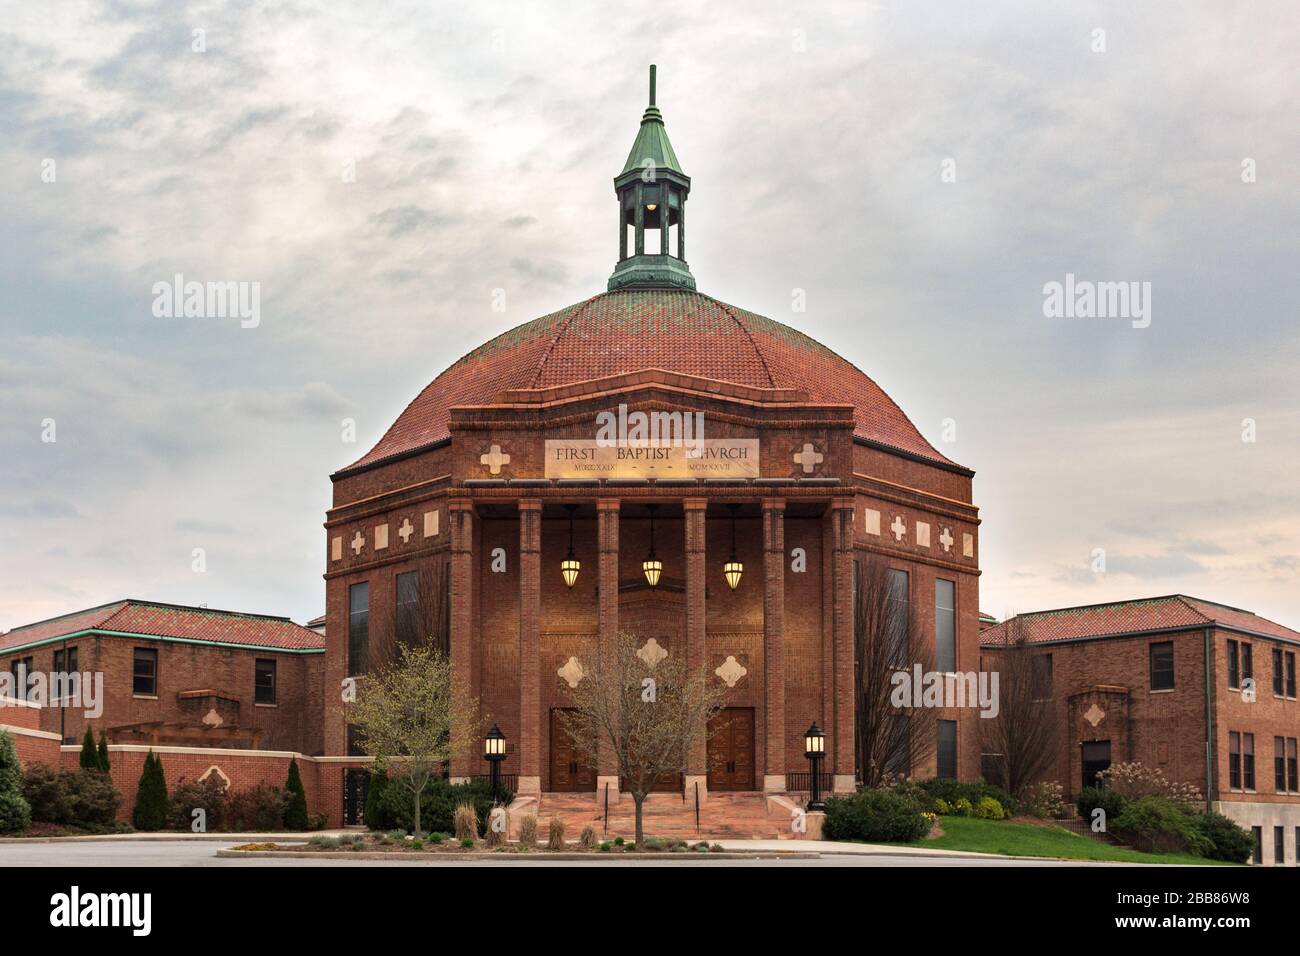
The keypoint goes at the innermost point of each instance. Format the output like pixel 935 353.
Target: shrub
pixel 438 802
pixel 376 815
pixel 295 808
pixel 963 808
pixel 555 836
pixel 941 807
pixel 465 822
pixel 83 799
pixel 1134 780
pixel 260 807
pixel 954 791
pixel 874 816
pixel 989 809
pixel 89 758
pixel 207 795
pixel 467 843
pixel 15 812
pixel 1045 800
pixel 150 812
pixel 587 838
pixel 1159 825
pixel 1090 798
pixel 102 753
pixel 1225 839
pixel 528 830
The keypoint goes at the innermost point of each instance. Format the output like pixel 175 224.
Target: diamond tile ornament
pixel 572 672
pixel 731 670
pixel 1094 715
pixel 652 653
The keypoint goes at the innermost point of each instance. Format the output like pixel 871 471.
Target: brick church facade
pixel 497 474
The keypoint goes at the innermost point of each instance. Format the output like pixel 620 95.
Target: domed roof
pixel 633 329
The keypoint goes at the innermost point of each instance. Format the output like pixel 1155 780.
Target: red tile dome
pixel 633 329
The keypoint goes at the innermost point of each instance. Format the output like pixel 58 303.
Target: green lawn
pixel 1026 839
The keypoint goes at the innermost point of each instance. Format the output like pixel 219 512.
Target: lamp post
pixel 814 748
pixel 494 751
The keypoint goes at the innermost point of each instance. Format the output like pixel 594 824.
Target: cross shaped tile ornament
pixel 899 528
pixel 405 531
pixel 652 653
pixel 731 670
pixel 494 459
pixel 809 458
pixel 358 543
pixel 946 539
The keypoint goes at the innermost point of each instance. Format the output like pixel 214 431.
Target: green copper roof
pixel 652 140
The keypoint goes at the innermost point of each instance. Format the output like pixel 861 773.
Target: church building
pixel 656 461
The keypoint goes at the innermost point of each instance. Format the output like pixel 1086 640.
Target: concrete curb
pixel 540 857
pixel 177 837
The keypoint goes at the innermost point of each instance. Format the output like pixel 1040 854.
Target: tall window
pixel 1278 684
pixel 1234 665
pixel 1247 661
pixel 144 671
pixel 264 680
pixel 1292 776
pixel 1042 676
pixel 945 625
pixel 946 751
pixel 1279 765
pixel 1248 761
pixel 1258 834
pixel 1279 845
pixel 897 605
pixel 1234 760
pixel 65 662
pixel 1290 673
pixel 1162 665
pixel 20 668
pixel 358 628
pixel 408 608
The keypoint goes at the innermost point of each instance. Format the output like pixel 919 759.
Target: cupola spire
pixel 652 191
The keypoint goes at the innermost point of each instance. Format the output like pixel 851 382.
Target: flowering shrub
pixel 989 809
pixel 1135 780
pixel 942 807
pixel 1045 800
pixel 963 808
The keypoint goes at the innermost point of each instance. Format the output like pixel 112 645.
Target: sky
pixel 916 173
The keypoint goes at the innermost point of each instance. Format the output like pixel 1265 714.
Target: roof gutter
pixel 100 632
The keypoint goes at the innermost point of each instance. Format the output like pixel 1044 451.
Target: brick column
pixel 461 516
pixel 697 762
pixel 530 638
pixel 607 621
pixel 774 644
pixel 841 743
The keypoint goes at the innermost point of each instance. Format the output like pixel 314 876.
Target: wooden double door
pixel 731 749
pixel 569 769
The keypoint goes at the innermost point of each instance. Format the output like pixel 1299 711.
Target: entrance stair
pixel 734 816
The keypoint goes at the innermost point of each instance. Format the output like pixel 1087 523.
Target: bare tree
pixel 647 715
pixel 409 713
pixel 887 638
pixel 1023 738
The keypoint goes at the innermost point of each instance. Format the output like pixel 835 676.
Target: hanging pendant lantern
pixel 570 566
pixel 652 566
pixel 733 569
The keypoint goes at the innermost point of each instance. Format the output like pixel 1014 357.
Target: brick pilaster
pixel 774 643
pixel 530 622
pixel 607 511
pixel 696 655
pixel 461 516
pixel 841 743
